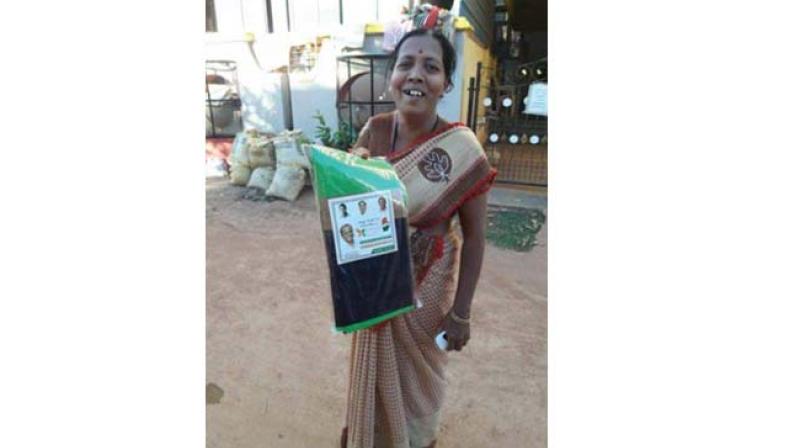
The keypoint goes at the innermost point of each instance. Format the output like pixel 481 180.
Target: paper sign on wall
pixel 536 103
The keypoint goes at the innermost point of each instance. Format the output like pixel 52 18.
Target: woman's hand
pixel 457 333
pixel 473 227
pixel 361 152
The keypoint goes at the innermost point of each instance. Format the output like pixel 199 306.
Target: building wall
pixel 474 52
pixel 480 14
pixel 229 16
pixel 243 37
pixel 236 17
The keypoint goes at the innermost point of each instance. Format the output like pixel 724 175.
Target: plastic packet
pixel 364 218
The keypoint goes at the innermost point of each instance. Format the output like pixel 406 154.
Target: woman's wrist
pixel 461 309
pixel 459 318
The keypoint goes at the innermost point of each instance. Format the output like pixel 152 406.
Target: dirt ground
pixel 282 371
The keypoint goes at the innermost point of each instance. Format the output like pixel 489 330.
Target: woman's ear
pixel 447 89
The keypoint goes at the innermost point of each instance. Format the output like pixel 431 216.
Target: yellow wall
pixel 473 53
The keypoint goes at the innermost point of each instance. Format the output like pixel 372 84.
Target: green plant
pixel 514 228
pixel 343 138
pixel 303 139
pixel 323 132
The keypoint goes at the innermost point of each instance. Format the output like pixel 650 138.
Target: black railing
pixel 224 105
pixel 355 102
pixel 515 142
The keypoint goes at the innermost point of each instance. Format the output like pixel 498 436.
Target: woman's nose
pixel 415 73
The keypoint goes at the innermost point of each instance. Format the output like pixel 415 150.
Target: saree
pixel 396 380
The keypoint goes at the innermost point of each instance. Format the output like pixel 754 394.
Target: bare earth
pixel 281 371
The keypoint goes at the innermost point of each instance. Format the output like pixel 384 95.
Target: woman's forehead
pixel 421 45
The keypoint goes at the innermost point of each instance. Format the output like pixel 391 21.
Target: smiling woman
pixel 423 66
pixel 397 384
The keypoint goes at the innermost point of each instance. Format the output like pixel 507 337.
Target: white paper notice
pixel 537 99
pixel 363 226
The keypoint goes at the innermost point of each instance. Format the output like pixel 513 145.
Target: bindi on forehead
pixel 420 51
pixel 413 49
pixel 418 45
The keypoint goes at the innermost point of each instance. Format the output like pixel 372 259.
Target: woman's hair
pixel 446 4
pixel 448 52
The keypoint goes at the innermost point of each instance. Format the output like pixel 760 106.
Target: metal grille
pixel 362 88
pixel 223 103
pixel 519 164
pixel 515 142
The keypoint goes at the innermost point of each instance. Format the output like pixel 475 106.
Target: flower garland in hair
pixel 433 17
pixel 422 16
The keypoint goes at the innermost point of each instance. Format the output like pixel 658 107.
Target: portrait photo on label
pixel 364 226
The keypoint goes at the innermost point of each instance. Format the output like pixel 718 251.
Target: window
pixel 211 17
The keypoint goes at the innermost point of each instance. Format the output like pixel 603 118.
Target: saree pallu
pixel 397 383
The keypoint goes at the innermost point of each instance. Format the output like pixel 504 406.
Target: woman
pixel 397 381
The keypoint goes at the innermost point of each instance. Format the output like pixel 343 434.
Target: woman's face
pixel 418 79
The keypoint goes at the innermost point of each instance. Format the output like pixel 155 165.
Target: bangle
pixel 457 319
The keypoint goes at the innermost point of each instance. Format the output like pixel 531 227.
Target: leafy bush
pixel 343 138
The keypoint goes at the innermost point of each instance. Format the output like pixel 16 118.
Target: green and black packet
pixel 364 217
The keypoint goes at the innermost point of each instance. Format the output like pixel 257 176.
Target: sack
pixel 364 218
pixel 288 151
pixel 261 151
pixel 262 177
pixel 287 183
pixel 240 174
pixel 239 152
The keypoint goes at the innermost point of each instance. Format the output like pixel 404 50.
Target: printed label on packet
pixel 363 226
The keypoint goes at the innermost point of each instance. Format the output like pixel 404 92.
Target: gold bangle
pixel 457 319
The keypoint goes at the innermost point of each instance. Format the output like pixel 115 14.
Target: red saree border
pixel 480 187
pixel 437 253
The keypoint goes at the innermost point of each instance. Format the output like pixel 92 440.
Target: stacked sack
pixel 274 164
pixel 262 159
pixel 240 160
pixel 292 163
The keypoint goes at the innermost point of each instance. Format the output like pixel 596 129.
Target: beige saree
pixel 397 383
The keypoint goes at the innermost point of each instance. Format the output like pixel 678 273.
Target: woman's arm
pixel 362 143
pixel 473 227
